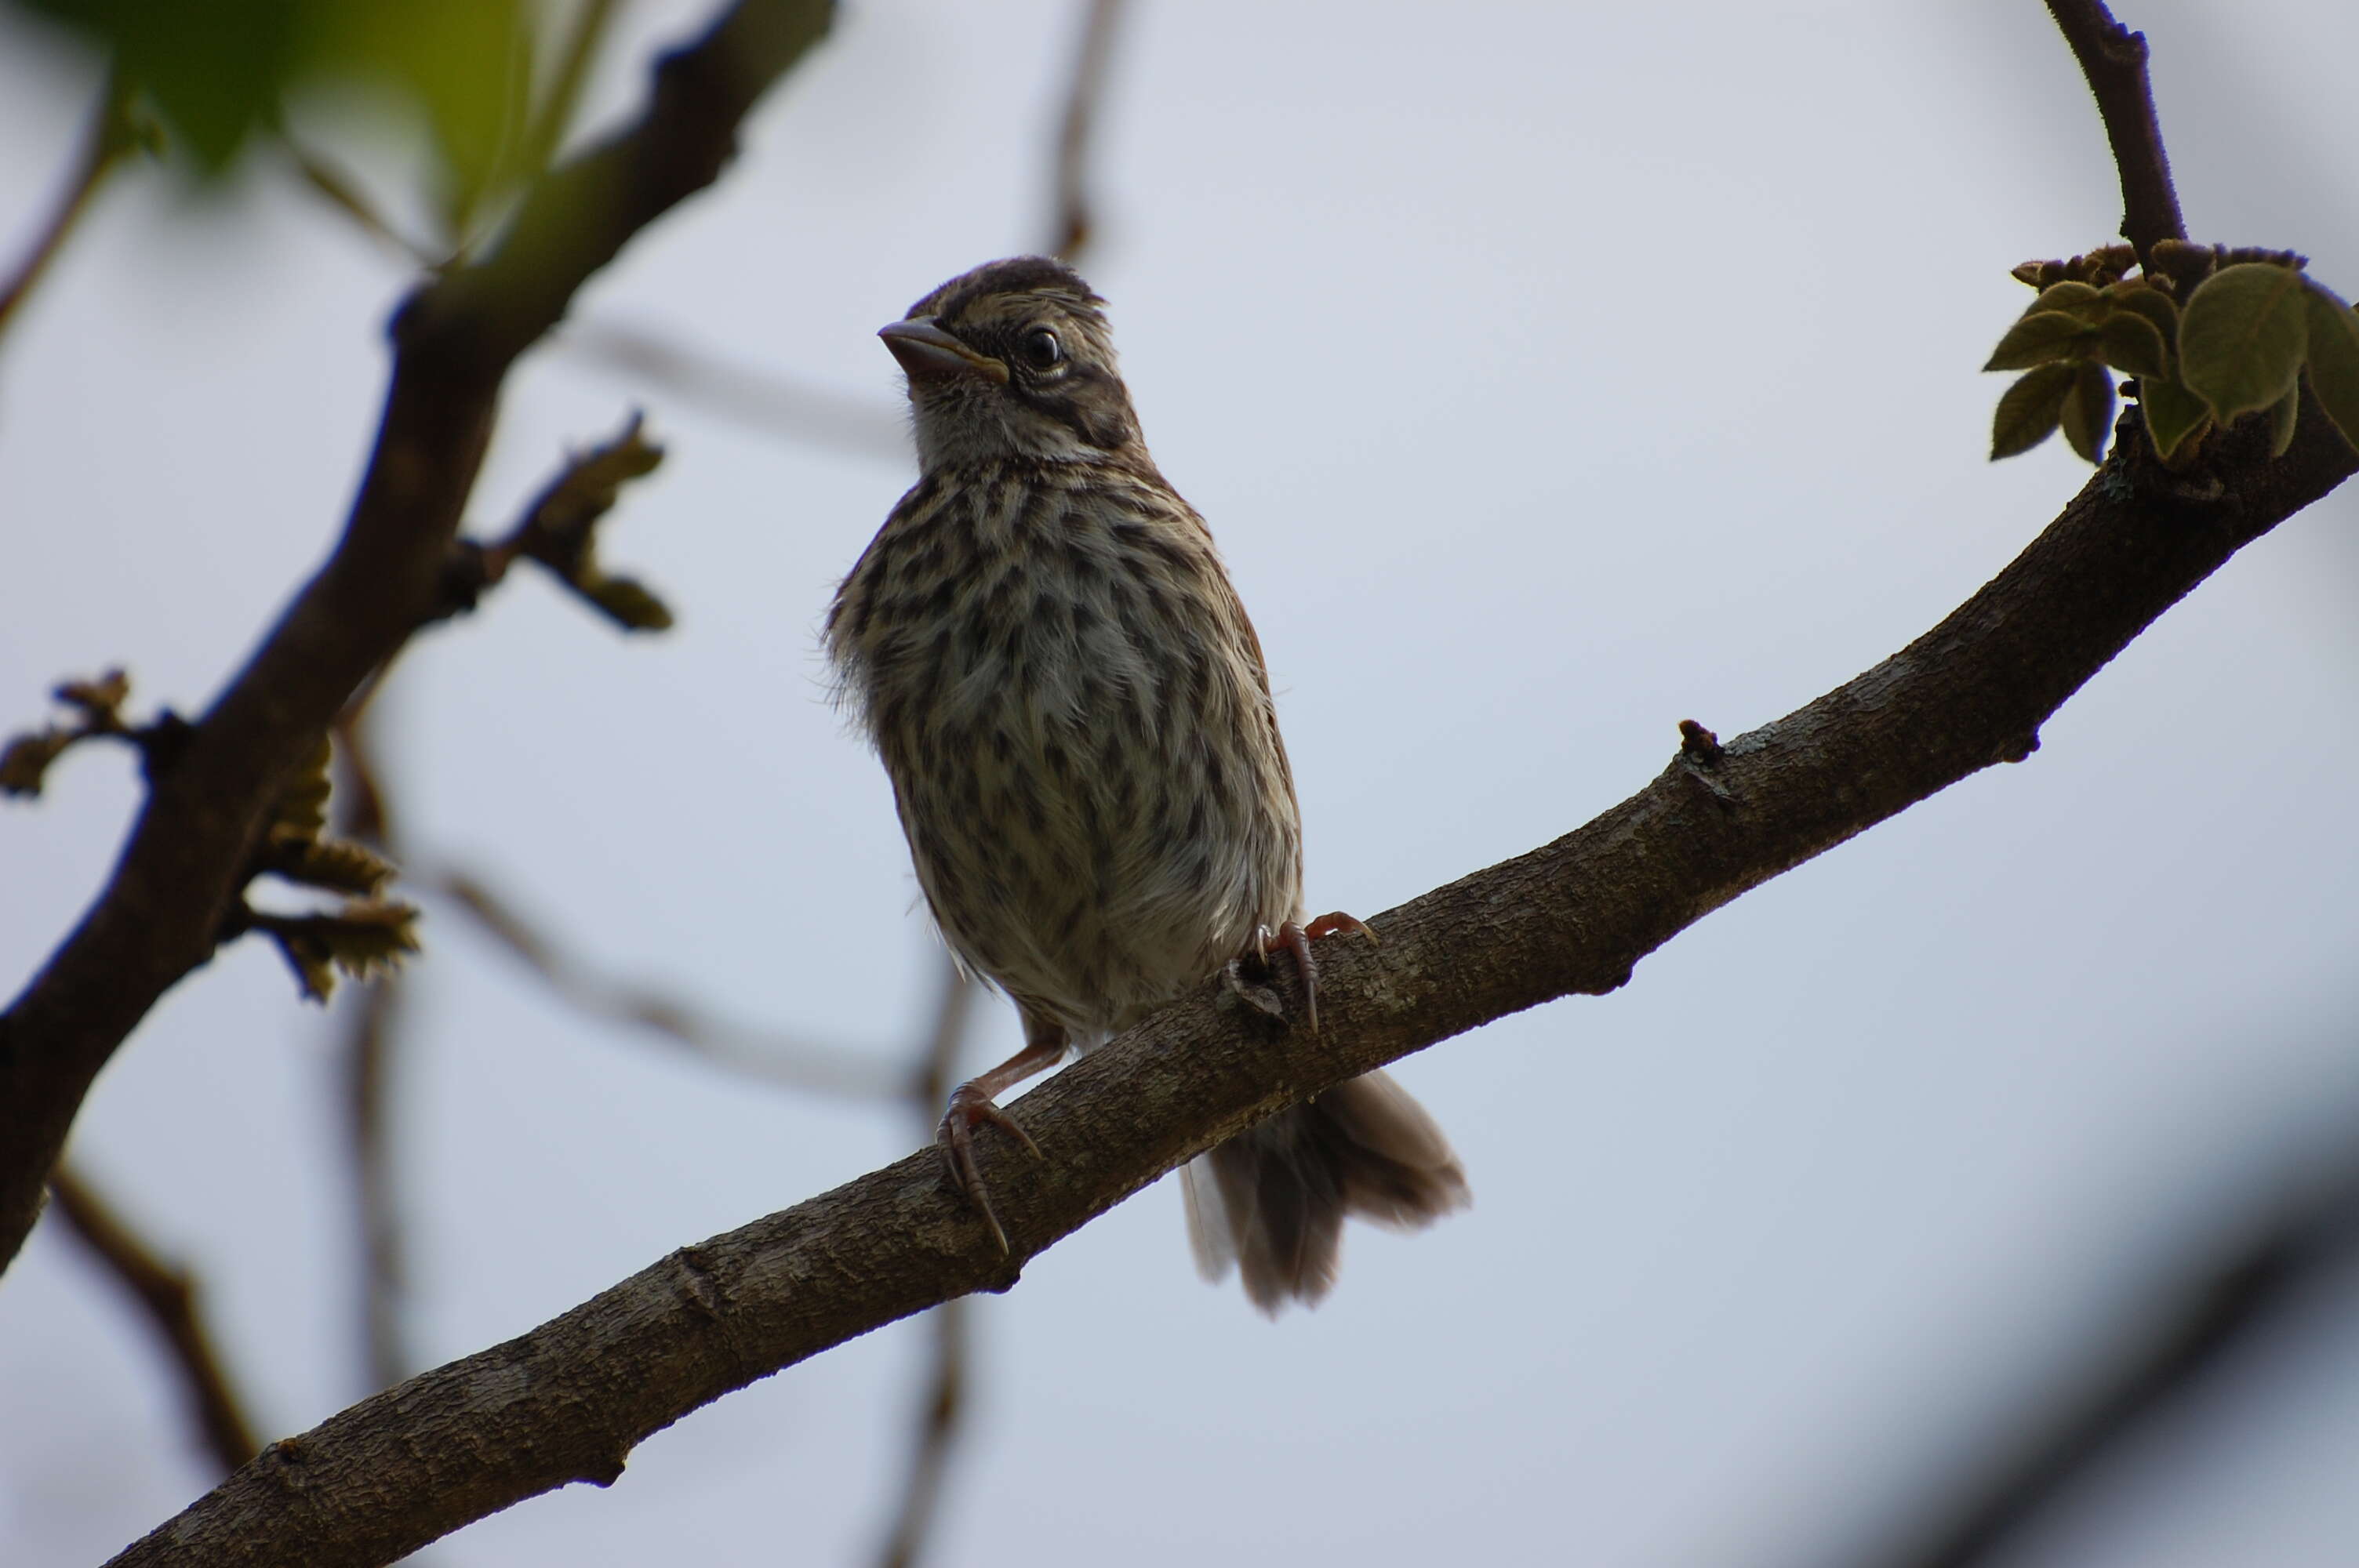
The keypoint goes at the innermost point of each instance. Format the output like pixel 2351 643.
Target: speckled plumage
pixel 1072 707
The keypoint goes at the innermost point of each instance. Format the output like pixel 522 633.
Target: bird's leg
pixel 1296 939
pixel 975 1102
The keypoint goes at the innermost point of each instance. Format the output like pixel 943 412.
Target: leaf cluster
pixel 365 933
pixel 489 82
pixel 560 529
pixel 2252 326
pixel 98 710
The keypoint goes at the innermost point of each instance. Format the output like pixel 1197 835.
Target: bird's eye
pixel 1041 348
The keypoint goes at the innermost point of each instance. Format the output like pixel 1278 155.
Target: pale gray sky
pixel 1551 373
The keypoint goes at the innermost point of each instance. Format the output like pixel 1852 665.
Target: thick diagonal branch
pixel 2114 60
pixel 161 912
pixel 567 1402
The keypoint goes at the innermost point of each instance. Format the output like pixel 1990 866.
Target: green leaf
pixel 2042 336
pixel 2283 415
pixel 2242 338
pixel 309 959
pixel 2087 416
pixel 466 64
pixel 334 863
pixel 2172 414
pixel 370 938
pixel 629 602
pixel 101 700
pixel 2077 300
pixel 362 939
pixel 2128 342
pixel 2028 410
pixel 2151 303
pixel 2335 359
pixel 302 810
pixel 27 758
pixel 214 70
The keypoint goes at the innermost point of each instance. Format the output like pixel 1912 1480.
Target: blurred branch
pixel 169 1296
pixel 367 1054
pixel 179 878
pixel 371 1044
pixel 96 707
pixel 2218 1310
pixel 567 1400
pixel 110 135
pixel 758 399
pixel 345 193
pixel 2112 58
pixel 557 531
pixel 942 1410
pixel 556 111
pixel 939 1417
pixel 1075 223
pixel 773 1058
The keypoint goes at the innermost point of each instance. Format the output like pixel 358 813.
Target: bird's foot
pixel 970 1107
pixel 1253 963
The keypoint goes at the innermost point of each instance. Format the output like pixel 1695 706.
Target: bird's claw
pixel 1336 921
pixel 1296 939
pixel 969 1109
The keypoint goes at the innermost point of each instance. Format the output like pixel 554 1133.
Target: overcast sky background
pixel 1550 373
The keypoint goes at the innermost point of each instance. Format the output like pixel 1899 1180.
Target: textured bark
pixel 161 913
pixel 567 1402
pixel 2113 60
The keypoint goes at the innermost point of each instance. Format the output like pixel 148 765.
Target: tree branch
pixel 770 1057
pixel 759 399
pixel 2114 60
pixel 2217 1310
pixel 169 1296
pixel 1075 223
pixel 365 1057
pixel 180 876
pixel 567 1400
pixel 943 1406
pixel 111 135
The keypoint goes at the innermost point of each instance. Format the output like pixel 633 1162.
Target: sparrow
pixel 1048 655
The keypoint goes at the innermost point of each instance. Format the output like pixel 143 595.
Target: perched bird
pixel 1046 649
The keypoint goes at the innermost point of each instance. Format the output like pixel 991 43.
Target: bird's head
pixel 1013 359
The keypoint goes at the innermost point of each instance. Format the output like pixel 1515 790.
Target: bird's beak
pixel 929 353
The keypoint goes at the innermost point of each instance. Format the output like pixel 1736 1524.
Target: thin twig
pixel 2218 1311
pixel 941 1411
pixel 558 528
pixel 342 192
pixel 758 399
pixel 758 1053
pixel 366 1056
pixel 170 1297
pixel 1075 222
pixel 2112 58
pixel 107 138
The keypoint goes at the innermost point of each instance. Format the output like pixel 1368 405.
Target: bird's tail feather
pixel 1273 1199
